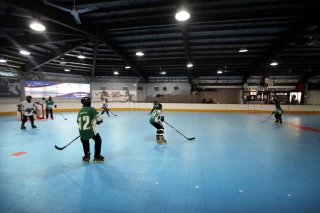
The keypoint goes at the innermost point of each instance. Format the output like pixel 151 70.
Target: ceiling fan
pixel 311 43
pixel 74 11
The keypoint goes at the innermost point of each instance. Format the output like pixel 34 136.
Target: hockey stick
pixel 267 118
pixel 63 117
pixel 112 113
pixel 58 148
pixel 179 132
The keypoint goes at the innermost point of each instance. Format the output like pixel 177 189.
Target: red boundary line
pixel 292 124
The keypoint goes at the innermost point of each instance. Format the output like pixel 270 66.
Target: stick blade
pixel 58 148
pixel 191 138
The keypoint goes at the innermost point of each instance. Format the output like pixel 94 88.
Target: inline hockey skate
pixel 86 158
pixel 98 159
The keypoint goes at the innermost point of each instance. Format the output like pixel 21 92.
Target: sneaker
pixel 23 127
pixel 158 139
pixel 33 126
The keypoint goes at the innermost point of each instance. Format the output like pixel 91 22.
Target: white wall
pixel 148 89
pixel 313 97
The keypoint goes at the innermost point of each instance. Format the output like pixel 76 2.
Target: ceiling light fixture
pixel 116 73
pixel 2 60
pixel 24 52
pixel 163 73
pixel 37 26
pixel 81 56
pixel 219 71
pixel 243 49
pixel 182 15
pixel 274 63
pixel 67 70
pixel 139 53
pixel 189 65
pixel 127 67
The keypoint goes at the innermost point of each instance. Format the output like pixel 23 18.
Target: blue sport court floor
pixel 235 164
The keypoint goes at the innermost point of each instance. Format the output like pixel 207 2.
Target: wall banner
pixel 9 87
pixel 39 89
pixel 114 95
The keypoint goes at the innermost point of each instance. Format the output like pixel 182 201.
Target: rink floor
pixel 235 164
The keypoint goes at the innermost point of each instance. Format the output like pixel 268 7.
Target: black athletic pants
pixel 159 127
pixel 105 110
pixel 25 118
pixel 97 145
pixel 47 113
pixel 278 116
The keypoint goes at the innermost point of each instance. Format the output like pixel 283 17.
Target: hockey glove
pixel 274 112
pixel 55 106
pixel 162 118
pixel 43 98
pixel 99 122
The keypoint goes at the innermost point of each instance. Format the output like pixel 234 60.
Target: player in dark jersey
pixel 155 119
pixel 278 112
pixel 87 119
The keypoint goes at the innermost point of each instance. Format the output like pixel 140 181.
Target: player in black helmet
pixel 87 119
pixel 155 119
pixel 49 104
pixel 27 109
pixel 278 112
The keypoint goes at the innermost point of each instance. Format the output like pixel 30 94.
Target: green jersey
pixel 155 115
pixel 49 104
pixel 87 118
pixel 278 108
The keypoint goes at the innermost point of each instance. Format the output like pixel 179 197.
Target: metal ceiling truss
pixel 55 54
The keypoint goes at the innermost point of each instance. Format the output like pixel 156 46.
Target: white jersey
pixel 27 108
pixel 105 105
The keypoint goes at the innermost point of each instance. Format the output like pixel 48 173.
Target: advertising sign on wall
pixel 39 89
pixel 114 95
pixel 9 88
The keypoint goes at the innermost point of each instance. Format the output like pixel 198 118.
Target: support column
pixel 22 92
pixel 305 95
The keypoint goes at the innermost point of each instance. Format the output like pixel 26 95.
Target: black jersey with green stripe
pixel 154 116
pixel 87 122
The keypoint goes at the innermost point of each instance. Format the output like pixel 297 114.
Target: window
pixel 156 88
pixel 176 88
pixel 164 88
pixel 125 88
pixel 140 88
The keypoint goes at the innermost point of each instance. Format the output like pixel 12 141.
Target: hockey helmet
pixel 50 98
pixel 155 103
pixel 106 100
pixel 29 98
pixel 86 101
pixel 159 106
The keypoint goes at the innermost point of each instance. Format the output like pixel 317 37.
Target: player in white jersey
pixel 27 109
pixel 105 107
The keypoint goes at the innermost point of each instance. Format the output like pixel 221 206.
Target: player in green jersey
pixel 155 119
pixel 278 112
pixel 49 104
pixel 87 119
